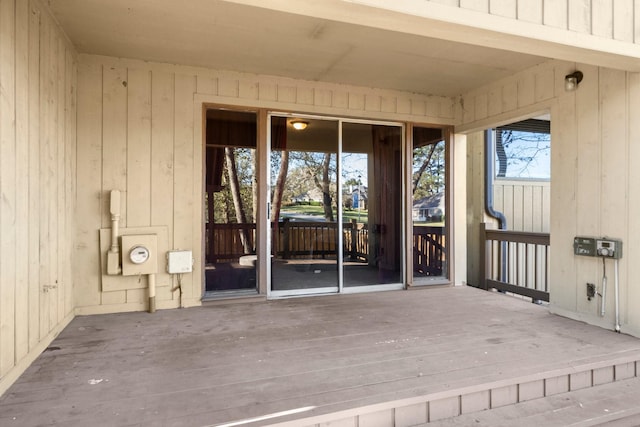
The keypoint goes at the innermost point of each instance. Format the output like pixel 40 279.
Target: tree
pixel 428 170
pixel 276 202
pixel 234 187
pixel 319 169
pixel 522 154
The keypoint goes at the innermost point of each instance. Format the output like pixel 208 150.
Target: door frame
pixel 265 177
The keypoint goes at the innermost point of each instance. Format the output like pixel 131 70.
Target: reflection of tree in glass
pixel 297 173
pixel 318 170
pixel 428 170
pixel 522 154
pixel 234 203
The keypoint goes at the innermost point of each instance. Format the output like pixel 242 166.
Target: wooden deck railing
pixel 312 239
pixel 429 253
pixel 516 262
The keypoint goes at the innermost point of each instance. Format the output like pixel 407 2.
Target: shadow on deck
pixel 390 358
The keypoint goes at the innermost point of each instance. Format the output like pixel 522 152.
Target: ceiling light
pixel 299 125
pixel 572 80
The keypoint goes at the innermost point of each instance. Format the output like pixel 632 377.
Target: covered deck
pixel 390 358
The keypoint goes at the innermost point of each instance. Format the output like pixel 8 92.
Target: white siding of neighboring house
pixel 595 165
pixel 37 183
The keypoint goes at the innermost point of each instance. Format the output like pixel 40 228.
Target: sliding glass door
pixel 335 205
pixel 372 208
pixel 430 248
pixel 304 234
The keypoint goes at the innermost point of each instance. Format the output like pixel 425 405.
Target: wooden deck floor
pixel 225 363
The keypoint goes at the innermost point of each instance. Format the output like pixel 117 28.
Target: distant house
pixel 429 209
pixel 313 195
pixel 359 197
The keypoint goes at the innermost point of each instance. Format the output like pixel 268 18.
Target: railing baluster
pixel 527 274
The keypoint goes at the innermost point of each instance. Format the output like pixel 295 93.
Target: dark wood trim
pixel 520 290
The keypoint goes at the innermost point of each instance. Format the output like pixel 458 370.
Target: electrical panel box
pixel 179 262
pixel 597 247
pixel 139 254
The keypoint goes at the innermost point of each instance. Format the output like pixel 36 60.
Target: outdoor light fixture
pixel 572 80
pixel 299 125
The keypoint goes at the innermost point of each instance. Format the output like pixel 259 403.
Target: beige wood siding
pixel 595 162
pixel 38 70
pixel 140 132
pixel 525 204
pixel 611 19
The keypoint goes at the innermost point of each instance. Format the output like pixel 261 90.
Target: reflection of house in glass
pixel 313 195
pixel 355 197
pixel 429 209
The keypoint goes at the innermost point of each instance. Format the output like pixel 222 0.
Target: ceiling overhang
pixel 407 45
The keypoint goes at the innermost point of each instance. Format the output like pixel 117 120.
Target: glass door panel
pixel 428 206
pixel 304 233
pixel 371 204
pixel 230 201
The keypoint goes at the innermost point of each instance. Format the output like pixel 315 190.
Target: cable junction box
pixel 179 262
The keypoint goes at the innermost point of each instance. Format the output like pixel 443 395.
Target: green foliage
pixel 428 170
pixel 224 211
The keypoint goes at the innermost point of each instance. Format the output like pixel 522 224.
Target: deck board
pixel 217 364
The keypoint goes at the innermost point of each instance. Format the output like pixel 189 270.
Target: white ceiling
pixel 230 36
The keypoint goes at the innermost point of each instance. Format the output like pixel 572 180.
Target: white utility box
pixel 179 262
pixel 139 254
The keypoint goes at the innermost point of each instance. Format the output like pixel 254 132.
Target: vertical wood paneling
pixel 614 174
pixel 138 148
pixel 563 195
pixel 89 171
pixel 207 84
pixel 588 179
pixel 35 142
pixel 60 201
pixel 34 181
pixel 44 243
pixel 162 131
pixel 632 313
pixel 70 176
pixel 603 18
pixel 636 20
pixel 477 5
pixel 22 180
pixel 7 185
pixel 603 25
pixel 50 172
pixel 530 11
pixel 523 204
pixel 623 20
pixel 184 197
pixel 506 8
pixel 580 16
pixel 114 140
pixel 555 13
pixel 527 208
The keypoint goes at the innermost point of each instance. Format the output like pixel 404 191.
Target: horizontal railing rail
pixel 516 262
pixel 318 239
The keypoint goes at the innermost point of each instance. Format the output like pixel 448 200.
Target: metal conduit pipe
pixel 617 295
pixel 489 173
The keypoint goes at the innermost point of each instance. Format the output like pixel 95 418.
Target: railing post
pixel 285 239
pixel 354 238
pixel 483 256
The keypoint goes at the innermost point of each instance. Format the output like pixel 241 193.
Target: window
pixel 523 150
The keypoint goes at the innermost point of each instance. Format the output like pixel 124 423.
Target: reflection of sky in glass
pixel 528 155
pixel 354 165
